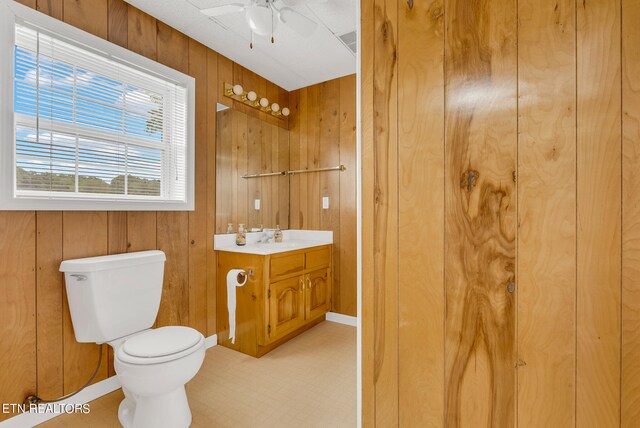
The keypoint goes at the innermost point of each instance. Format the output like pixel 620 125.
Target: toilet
pixel 115 300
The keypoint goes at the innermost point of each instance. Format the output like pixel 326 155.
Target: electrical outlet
pixel 257 204
pixel 325 202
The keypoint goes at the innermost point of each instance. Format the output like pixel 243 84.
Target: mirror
pixel 246 145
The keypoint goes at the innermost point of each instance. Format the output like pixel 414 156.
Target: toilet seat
pixel 160 345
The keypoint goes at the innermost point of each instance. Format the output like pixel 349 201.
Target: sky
pixel 101 103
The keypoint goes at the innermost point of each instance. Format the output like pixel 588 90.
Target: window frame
pixel 11 13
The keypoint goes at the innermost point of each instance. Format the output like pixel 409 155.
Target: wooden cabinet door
pixel 286 307
pixel 317 293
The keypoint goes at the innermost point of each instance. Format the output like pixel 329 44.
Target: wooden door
pixel 286 307
pixel 317 297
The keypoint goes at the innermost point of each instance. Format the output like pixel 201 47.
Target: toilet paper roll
pixel 235 278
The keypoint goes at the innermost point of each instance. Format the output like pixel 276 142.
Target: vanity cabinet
pixel 286 293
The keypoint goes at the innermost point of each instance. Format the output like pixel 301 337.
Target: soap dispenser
pixel 277 235
pixel 241 236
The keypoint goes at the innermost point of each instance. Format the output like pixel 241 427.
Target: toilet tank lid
pixel 93 264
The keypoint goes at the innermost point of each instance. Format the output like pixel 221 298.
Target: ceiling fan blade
pixel 223 10
pixel 297 22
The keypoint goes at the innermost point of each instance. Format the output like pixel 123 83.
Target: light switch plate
pixel 257 204
pixel 325 202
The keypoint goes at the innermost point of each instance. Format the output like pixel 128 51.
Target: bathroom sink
pixel 272 247
pixel 293 240
pixel 276 245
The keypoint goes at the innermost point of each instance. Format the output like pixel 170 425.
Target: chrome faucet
pixel 267 235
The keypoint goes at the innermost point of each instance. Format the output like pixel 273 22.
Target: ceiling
pixel 292 62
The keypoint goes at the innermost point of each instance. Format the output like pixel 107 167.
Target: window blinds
pixel 90 126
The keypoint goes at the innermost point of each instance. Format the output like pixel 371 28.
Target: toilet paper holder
pixel 241 275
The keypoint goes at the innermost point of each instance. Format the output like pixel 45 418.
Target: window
pixel 94 125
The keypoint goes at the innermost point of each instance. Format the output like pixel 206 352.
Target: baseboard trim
pixel 342 319
pixel 90 393
pixel 211 341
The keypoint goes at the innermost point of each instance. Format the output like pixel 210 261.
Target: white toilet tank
pixel 113 296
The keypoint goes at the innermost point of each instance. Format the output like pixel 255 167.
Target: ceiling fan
pixel 263 16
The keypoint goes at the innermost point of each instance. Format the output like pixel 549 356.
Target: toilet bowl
pixel 115 300
pixel 153 368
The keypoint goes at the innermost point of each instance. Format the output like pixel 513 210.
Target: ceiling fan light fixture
pixel 260 19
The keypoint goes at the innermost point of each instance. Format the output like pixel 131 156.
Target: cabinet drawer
pixel 318 258
pixel 286 265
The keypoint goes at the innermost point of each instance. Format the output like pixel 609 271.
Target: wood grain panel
pixel 247 144
pixel 212 91
pixel 173 48
pixel 599 200
pixel 84 235
pixel 141 33
pixel 173 239
pixel 117 232
pixel 29 3
pixel 88 15
pixel 225 75
pixel 421 190
pixel 313 157
pixel 385 245
pixel 368 195
pixel 303 216
pixel 480 209
pixel 224 168
pixel 346 303
pixel 198 237
pixel 276 163
pixel 547 213
pixel 329 153
pixel 116 244
pixel 294 160
pixel 272 147
pixel 266 184
pixel 282 164
pixel 49 303
pixel 324 116
pixel 565 104
pixel 50 7
pixel 239 158
pixel 18 315
pixel 118 22
pixel 631 214
pixel 141 230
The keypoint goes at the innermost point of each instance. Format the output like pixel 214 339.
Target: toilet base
pixel 169 410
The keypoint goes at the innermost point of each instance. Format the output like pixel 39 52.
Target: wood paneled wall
pixel 248 145
pixel 501 213
pixel 323 134
pixel 38 351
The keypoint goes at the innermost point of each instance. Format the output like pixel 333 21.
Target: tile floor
pixel 309 381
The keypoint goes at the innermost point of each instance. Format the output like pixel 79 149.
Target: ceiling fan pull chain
pixel 271 7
